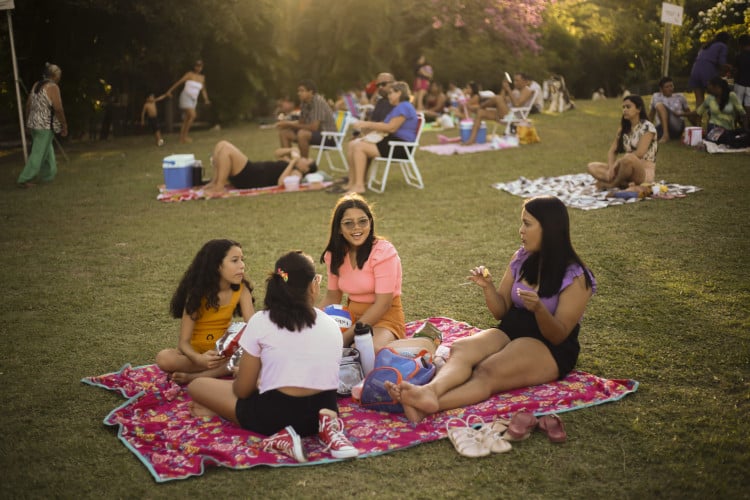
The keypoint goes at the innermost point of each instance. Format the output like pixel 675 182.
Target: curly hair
pixel 287 299
pixel 201 281
pixel 337 245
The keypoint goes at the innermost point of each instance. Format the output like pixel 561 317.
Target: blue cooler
pixel 465 129
pixel 466 126
pixel 178 171
pixel 482 133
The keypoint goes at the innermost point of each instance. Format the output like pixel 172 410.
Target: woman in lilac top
pixel 400 125
pixel 710 62
pixel 540 302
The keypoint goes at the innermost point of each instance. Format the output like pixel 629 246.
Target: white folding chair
pixel 343 119
pixel 412 176
pixel 519 113
pixel 522 112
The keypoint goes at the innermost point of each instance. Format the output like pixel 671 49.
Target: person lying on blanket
pixel 289 371
pixel 231 166
pixel 540 302
pixel 212 290
pixel 636 137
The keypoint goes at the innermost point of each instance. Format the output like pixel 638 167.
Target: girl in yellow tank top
pixel 212 290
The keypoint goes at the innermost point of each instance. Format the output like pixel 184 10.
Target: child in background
pixel 212 290
pixel 149 113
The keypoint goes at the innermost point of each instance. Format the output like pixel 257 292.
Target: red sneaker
pixel 331 434
pixel 286 441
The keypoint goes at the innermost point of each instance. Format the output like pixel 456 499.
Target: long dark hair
pixel 287 298
pixel 722 85
pixel 201 281
pixel 625 125
pixel 337 245
pixel 547 266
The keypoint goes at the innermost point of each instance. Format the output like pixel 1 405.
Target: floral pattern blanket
pixel 196 193
pixel 156 425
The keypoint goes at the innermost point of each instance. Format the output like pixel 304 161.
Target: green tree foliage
pixel 255 51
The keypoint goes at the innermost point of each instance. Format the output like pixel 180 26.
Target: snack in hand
pixel 485 272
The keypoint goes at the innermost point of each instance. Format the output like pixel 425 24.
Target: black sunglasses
pixel 383 84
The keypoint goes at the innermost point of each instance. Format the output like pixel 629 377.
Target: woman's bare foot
pixel 198 410
pixel 183 378
pixel 394 391
pixel 418 401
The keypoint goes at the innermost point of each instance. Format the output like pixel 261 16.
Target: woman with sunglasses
pixel 367 268
pixel 289 370
pixel 400 125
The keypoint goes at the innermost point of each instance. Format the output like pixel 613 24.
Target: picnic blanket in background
pixel 457 148
pixel 156 425
pixel 171 195
pixel 579 191
pixel 712 148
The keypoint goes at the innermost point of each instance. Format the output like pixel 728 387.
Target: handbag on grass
pixel 395 367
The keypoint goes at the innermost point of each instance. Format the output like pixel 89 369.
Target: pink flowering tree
pixel 514 22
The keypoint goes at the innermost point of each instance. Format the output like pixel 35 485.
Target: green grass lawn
pixel 89 264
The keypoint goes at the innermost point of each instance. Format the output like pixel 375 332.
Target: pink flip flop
pixel 553 427
pixel 520 426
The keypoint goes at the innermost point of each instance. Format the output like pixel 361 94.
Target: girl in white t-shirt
pixel 289 371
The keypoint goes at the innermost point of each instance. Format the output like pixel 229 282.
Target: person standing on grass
pixel 289 370
pixel 636 138
pixel 150 114
pixel 540 302
pixel 45 118
pixel 195 83
pixel 211 291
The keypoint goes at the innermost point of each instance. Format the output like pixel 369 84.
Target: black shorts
pixel 519 323
pixel 271 411
pixel 384 147
pixel 153 123
pixel 317 137
pixel 673 133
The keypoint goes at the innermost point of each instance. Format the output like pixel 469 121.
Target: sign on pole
pixel 670 14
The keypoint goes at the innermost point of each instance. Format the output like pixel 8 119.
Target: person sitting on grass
pixel 232 167
pixel 636 138
pixel 540 302
pixel 288 374
pixel 211 291
pixel 670 108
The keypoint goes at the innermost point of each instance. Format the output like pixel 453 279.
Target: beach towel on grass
pixel 156 425
pixel 196 193
pixel 579 191
pixel 713 148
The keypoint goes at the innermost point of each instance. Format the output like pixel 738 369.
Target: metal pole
pixel 18 91
pixel 665 50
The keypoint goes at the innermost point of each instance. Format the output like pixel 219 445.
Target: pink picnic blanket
pixel 155 422
pixel 172 195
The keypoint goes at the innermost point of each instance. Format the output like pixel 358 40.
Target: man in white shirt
pixel 670 108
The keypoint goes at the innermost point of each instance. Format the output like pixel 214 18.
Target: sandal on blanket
pixel 553 427
pixel 520 426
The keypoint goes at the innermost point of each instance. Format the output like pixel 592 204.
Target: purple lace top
pixel 572 272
